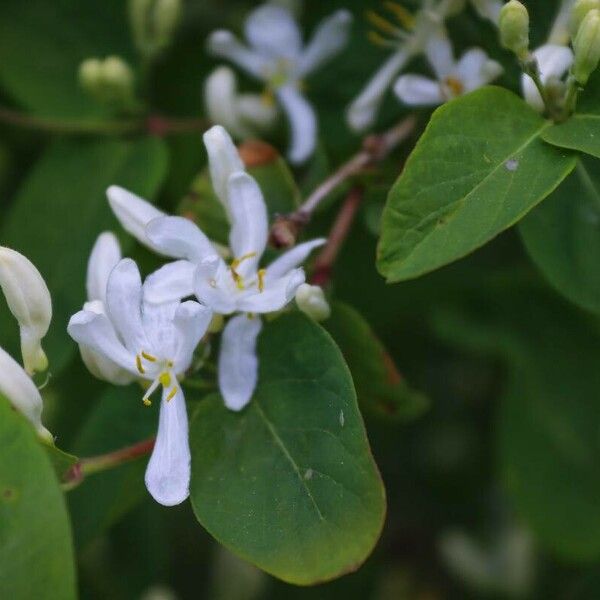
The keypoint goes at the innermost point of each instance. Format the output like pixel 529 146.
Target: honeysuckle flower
pixel 553 63
pixel 153 342
pixel 453 78
pixel 243 115
pixel 105 255
pixel 29 301
pixel 275 54
pixel 19 389
pixel 311 300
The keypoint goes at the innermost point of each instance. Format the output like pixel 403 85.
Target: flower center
pixel 165 378
pixel 454 86
pixel 235 263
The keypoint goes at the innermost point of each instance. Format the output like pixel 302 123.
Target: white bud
pixel 29 301
pixel 514 28
pixel 587 47
pixel 311 301
pixel 580 9
pixel 109 81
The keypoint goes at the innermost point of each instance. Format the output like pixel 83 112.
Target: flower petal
pixel 132 212
pixel 249 222
pixel 475 69
pixel 225 45
pixel 256 112
pixel 238 363
pixel 223 161
pixel 440 55
pixel 328 40
pixel 106 253
pixel 302 120
pixel 191 322
pixel 168 472
pixel 172 282
pixel 416 90
pixel 276 294
pixel 179 237
pixel 292 258
pixel 362 112
pixel 209 272
pixel 272 31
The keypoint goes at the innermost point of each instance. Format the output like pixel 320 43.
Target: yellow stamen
pixel 138 364
pixel 165 379
pixel 149 357
pixel 378 39
pixel 261 279
pixel 147 401
pixel 172 394
pixel 236 262
pixel 382 24
pixel 405 17
pixel 456 86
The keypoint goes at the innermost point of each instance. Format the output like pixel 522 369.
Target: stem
pixel 571 99
pixel 103 462
pixel 374 149
pixel 338 234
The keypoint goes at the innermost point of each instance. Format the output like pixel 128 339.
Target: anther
pixel 147 401
pixel 261 279
pixel 149 357
pixel 138 364
pixel 172 394
pixel 405 17
pixel 165 379
pixel 383 24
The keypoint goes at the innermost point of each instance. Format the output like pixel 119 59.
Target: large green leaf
pixel 36 553
pixel 582 130
pixel 60 210
pixel 562 235
pixel 479 167
pixel 289 483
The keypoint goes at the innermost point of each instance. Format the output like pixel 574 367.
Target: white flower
pixel 154 343
pixel 275 54
pixel 29 301
pixel 553 62
pixel 488 9
pixel 312 302
pixel 243 115
pixel 453 78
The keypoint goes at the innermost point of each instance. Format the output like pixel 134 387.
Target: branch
pixel 375 148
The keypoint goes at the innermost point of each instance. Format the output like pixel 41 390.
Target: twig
pixel 338 234
pixel 374 149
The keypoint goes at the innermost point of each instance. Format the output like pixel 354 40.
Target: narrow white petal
pixel 302 120
pixel 553 60
pixel 273 31
pixel 362 112
pixel 123 302
pixel 475 69
pixel 488 9
pixel 132 212
pixel 191 323
pixel 179 237
pixel 249 222
pixel 328 40
pixel 172 282
pixel 106 253
pixel 292 258
pixel 103 368
pixel 440 55
pixel 223 161
pixel 18 388
pixel 225 45
pixel 416 90
pixel 168 472
pixel 531 94
pixel 277 293
pixel 208 274
pixel 256 113
pixel 238 362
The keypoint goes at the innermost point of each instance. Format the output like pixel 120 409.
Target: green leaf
pixel 289 484
pixel 36 553
pixel 60 210
pixel 479 168
pixel 562 236
pixel 582 130
pixel 61 461
pixel 381 389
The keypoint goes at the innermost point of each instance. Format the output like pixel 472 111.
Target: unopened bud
pixel 109 81
pixel 153 23
pixel 312 302
pixel 587 47
pixel 514 28
pixel 580 9
pixel 29 301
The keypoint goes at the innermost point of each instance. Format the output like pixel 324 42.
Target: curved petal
pixel 103 368
pixel 292 258
pixel 123 304
pixel 475 69
pixel 249 222
pixel 416 90
pixel 171 283
pixel 238 362
pixel 362 112
pixel 328 40
pixel 132 212
pixel 208 273
pixel 179 237
pixel 191 322
pixel 275 295
pixel 223 161
pixel 440 55
pixel 256 112
pixel 553 61
pixel 106 253
pixel 168 472
pixel 225 45
pixel 272 31
pixel 302 120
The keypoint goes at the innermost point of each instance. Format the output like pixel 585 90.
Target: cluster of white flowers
pixel 149 331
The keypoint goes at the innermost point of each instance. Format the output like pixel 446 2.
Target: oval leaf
pixel 289 484
pixel 479 168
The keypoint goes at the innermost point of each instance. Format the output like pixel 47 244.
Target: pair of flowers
pixel 133 330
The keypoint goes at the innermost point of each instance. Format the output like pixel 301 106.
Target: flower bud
pixel 312 302
pixel 153 23
pixel 109 81
pixel 514 28
pixel 587 47
pixel 29 301
pixel 580 9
